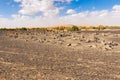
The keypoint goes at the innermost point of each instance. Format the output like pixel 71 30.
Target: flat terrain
pixel 58 55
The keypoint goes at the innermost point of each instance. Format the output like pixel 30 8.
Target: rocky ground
pixel 58 55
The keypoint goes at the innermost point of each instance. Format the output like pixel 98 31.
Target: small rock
pixel 111 44
pixel 87 41
pixel 114 44
pixel 69 44
pixel 26 40
pixel 107 47
pixel 69 78
pixel 92 46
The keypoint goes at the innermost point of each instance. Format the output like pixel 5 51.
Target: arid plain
pixel 59 55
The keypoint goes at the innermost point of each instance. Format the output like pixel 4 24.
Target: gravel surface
pixel 53 55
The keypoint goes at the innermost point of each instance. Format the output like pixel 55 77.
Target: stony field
pixel 59 55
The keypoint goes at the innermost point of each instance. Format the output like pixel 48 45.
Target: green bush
pixel 23 28
pixel 74 28
pixel 3 29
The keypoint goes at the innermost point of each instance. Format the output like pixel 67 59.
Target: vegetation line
pixel 64 28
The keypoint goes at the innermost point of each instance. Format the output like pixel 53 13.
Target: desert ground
pixel 59 55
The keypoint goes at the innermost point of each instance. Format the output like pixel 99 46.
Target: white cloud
pixel 17 0
pixel 101 13
pixel 116 8
pixel 32 7
pixel 46 7
pixel 63 0
pixel 70 11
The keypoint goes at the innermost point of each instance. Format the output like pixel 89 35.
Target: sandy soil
pixel 53 55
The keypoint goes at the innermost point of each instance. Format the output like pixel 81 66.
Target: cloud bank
pixel 50 15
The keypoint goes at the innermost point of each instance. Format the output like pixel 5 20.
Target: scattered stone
pixel 111 44
pixel 87 41
pixel 61 35
pixel 107 47
pixel 69 44
pixel 92 46
pixel 96 39
pixel 102 42
pixel 26 40
pixel 69 78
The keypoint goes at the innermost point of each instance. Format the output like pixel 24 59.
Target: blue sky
pixel 9 7
pixel 14 10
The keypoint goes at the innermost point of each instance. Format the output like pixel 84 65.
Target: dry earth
pixel 53 55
